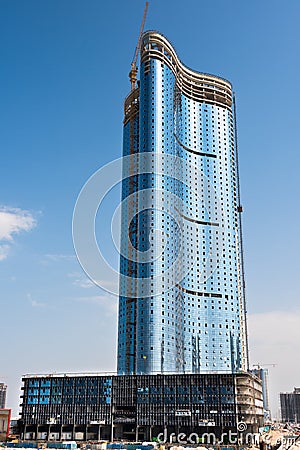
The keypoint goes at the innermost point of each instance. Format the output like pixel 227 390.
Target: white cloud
pixel 60 257
pixel 12 222
pixel 81 281
pixel 4 251
pixel 85 283
pixel 274 339
pixel 109 303
pixel 57 258
pixel 35 303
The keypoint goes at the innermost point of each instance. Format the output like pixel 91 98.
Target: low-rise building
pixel 138 407
pixel 263 374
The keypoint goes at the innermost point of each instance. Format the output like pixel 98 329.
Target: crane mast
pixel 134 69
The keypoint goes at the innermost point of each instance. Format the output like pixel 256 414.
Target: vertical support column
pixel 112 431
pixel 112 395
pixel 24 432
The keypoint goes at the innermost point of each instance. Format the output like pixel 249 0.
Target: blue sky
pixel 63 79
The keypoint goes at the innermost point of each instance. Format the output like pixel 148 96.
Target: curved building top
pixel 195 85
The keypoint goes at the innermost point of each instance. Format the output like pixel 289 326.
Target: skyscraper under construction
pixel 182 299
pixel 182 350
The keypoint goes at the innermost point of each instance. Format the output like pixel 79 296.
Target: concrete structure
pixel 249 399
pixel 3 390
pixel 138 407
pixel 183 309
pixel 290 406
pixel 263 374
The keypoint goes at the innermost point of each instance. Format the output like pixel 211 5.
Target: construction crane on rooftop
pixel 134 69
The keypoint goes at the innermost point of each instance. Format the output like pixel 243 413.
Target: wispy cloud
pixel 109 303
pixel 60 257
pixel 34 303
pixel 84 283
pixel 12 222
pixel 56 258
pixel 4 251
pixel 81 281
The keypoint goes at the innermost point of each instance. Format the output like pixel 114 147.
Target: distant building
pixel 14 427
pixel 138 407
pixel 290 406
pixel 3 389
pixel 5 415
pixel 263 375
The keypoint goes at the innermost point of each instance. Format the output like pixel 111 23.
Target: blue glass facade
pixel 69 391
pixel 183 206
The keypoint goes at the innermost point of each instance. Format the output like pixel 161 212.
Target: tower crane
pixel 134 69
